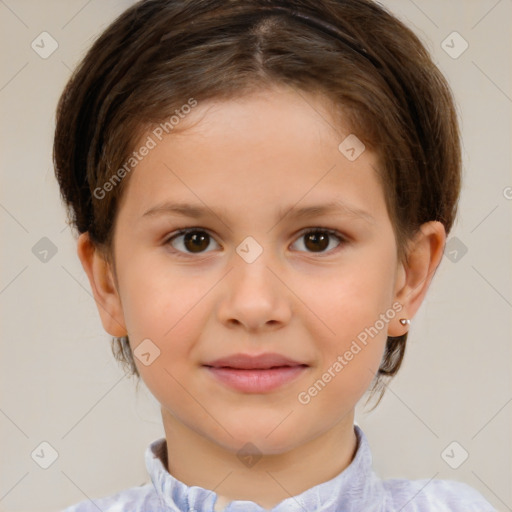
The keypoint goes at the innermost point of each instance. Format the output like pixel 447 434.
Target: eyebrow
pixel 200 212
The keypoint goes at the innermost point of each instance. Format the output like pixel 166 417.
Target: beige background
pixel 58 380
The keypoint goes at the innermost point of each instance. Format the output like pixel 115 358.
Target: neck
pixel 199 461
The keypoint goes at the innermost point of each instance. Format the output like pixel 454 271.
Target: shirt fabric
pixel 356 489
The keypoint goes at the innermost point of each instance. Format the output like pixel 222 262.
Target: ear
pixel 103 286
pixel 424 254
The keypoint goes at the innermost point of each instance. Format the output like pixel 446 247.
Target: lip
pixel 256 381
pixel 263 361
pixel 258 373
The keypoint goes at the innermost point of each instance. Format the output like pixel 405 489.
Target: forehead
pixel 277 147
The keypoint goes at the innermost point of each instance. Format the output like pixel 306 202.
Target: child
pixel 202 148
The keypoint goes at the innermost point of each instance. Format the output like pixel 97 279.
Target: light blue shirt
pixel 356 489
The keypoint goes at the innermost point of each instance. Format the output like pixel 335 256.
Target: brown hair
pixel 160 53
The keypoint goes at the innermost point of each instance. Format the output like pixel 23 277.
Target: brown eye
pixel 191 241
pixel 318 240
pixel 196 242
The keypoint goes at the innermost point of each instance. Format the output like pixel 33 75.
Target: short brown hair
pixel 159 53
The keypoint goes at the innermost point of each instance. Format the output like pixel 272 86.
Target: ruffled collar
pixel 356 488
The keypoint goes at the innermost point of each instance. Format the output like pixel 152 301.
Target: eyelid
pixel 343 239
pixel 184 231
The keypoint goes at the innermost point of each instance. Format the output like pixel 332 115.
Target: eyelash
pixel 331 232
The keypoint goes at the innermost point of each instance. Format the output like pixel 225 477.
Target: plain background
pixel 58 379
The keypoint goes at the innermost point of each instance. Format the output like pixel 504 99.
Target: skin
pixel 245 159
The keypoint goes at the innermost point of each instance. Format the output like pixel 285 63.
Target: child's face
pixel 248 162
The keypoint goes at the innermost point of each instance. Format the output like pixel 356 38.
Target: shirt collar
pixel 356 488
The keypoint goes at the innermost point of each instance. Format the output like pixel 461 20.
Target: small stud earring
pixel 405 321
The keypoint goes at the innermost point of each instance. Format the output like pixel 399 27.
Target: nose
pixel 254 297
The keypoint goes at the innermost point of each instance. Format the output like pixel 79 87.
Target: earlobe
pixel 423 257
pixel 102 285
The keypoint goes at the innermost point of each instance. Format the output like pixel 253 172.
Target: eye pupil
pixel 317 236
pixel 197 241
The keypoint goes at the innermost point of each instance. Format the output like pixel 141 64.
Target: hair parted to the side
pixel 160 53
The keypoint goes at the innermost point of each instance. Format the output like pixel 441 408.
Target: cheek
pixel 351 297
pixel 349 313
pixel 161 313
pixel 157 299
pixel 164 311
